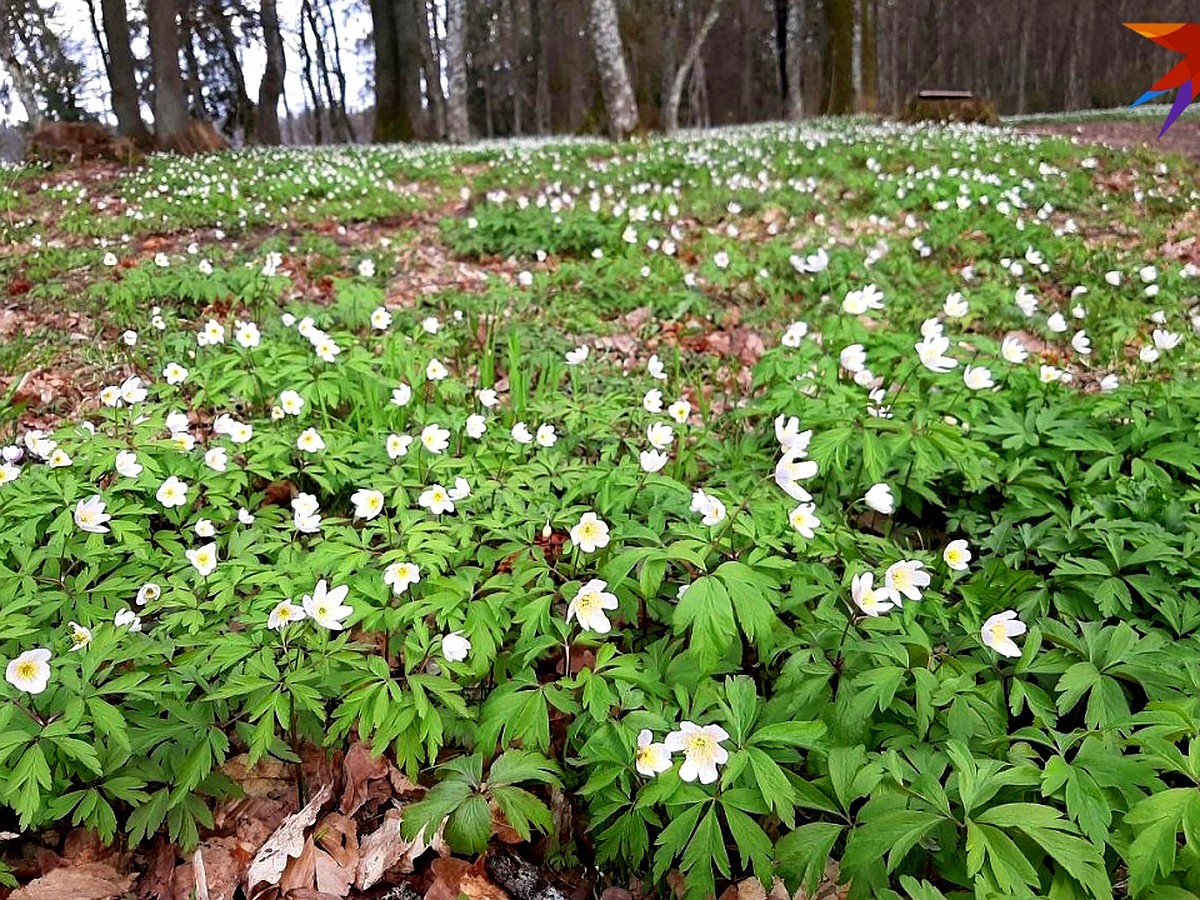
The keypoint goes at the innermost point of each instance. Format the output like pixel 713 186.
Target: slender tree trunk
pixel 781 53
pixel 22 82
pixel 541 91
pixel 1023 66
pixel 619 101
pixel 840 16
pixel 670 50
pixel 671 110
pixel 795 59
pixel 458 127
pixel 430 65
pixel 244 111
pixel 121 74
pixel 868 49
pixel 437 41
pixel 271 87
pixel 339 122
pixel 1079 59
pixel 171 120
pixel 338 100
pixel 94 22
pixel 306 69
pixel 192 76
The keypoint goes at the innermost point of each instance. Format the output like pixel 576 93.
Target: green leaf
pixel 805 735
pixel 706 611
pixel 803 854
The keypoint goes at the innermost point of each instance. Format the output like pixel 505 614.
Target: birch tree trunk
pixel 671 110
pixel 458 125
pixel 619 102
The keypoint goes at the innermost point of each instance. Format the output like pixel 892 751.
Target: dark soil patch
pixel 1183 137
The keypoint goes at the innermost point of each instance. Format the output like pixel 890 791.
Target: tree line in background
pixel 457 69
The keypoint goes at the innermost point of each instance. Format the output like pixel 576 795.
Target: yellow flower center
pixel 588 602
pixel 701 746
pixel 999 632
pixel 26 670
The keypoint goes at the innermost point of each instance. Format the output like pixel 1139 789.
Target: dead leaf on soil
pixel 454 878
pixel 287 843
pixel 92 881
pixel 363 774
pixel 386 850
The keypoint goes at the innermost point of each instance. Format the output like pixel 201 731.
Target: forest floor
pixel 1183 138
pixel 721 271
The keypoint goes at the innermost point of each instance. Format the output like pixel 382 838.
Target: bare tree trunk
pixel 671 110
pixel 22 82
pixel 781 42
pixel 1076 66
pixel 698 95
pixel 670 50
pixel 271 88
pixel 94 22
pixel 338 101
pixel 243 116
pixel 1023 65
pixel 868 53
pixel 306 69
pixel 840 17
pixel 171 120
pixel 191 71
pixel 795 59
pixel 619 101
pixel 458 127
pixel 121 77
pixel 430 64
pixel 394 111
pixel 541 93
pixel 856 56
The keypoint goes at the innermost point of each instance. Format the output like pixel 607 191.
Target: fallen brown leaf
pixel 362 772
pixel 158 880
pixel 91 881
pixel 261 779
pixel 288 842
pixel 301 871
pixel 385 849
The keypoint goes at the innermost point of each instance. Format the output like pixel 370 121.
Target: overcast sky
pixel 353 25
